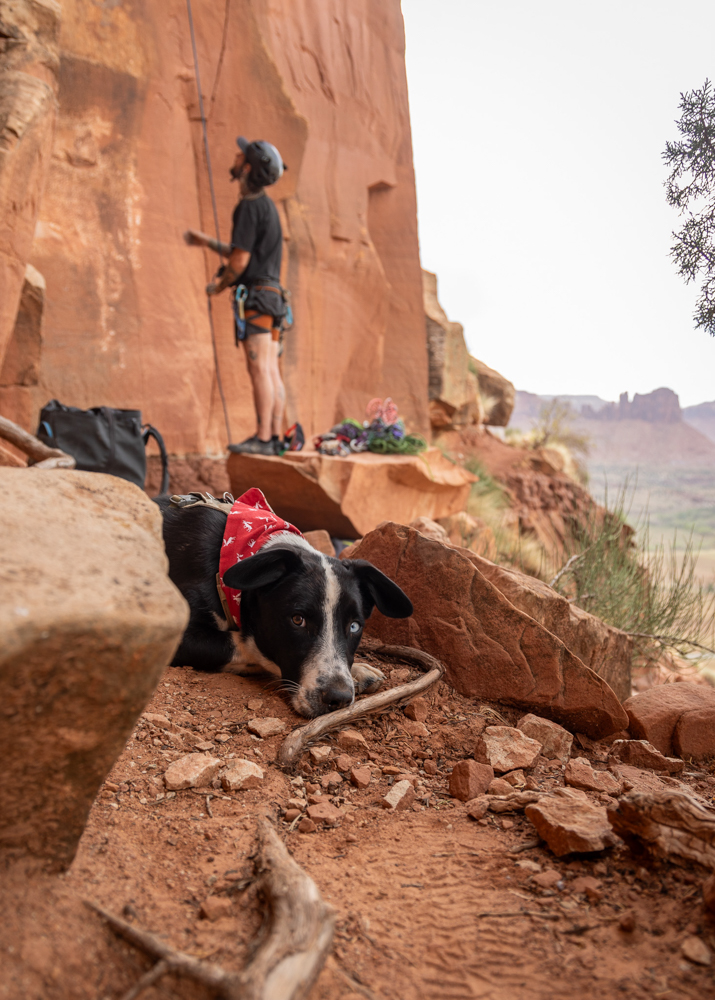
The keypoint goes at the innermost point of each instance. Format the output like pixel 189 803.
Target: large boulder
pixel 454 399
pixel 350 496
pixel 88 621
pixel 490 648
pixel 604 649
pixel 497 394
pixel 675 718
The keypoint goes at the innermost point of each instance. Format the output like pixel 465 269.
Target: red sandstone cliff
pixel 125 320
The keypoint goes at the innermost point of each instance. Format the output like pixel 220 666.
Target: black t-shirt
pixel 257 228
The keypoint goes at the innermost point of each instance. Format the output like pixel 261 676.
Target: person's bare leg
pixel 259 361
pixel 279 395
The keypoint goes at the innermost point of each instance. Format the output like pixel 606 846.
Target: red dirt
pixel 418 894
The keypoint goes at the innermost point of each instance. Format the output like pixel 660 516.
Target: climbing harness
pixel 204 129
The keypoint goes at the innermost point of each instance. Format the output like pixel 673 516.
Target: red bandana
pixel 249 525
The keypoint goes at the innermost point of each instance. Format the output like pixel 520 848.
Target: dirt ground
pixel 429 902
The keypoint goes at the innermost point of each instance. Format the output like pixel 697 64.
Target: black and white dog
pixel 302 613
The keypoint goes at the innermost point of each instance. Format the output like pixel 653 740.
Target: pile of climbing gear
pixel 382 432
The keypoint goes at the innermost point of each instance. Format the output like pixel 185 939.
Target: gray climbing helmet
pixel 266 162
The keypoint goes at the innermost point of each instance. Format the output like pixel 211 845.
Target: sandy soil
pixel 429 902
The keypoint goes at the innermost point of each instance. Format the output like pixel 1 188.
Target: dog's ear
pixel 381 591
pixel 266 567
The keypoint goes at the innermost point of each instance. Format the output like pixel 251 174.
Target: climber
pixel 254 266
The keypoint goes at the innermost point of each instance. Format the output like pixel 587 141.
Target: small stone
pixel 266 727
pixel 470 779
pixel 307 826
pixel 312 787
pixel 415 728
pixel 290 814
pixel 507 824
pixel 241 774
pixel 590 886
pixel 254 704
pixel 547 879
pixel 391 769
pixel 516 778
pixel 555 741
pixel 344 762
pixel 627 922
pixel 351 839
pixel 296 803
pixel 215 907
pixel 351 739
pixel 580 774
pixel 709 893
pixel 500 787
pixel 569 822
pixel 191 771
pixel 324 812
pixel 319 754
pixel 417 709
pixel 430 767
pixel 360 777
pixel 478 807
pixel 222 737
pixel 516 801
pixel 331 780
pixel 314 798
pixel 161 722
pixel 401 675
pixel 406 776
pixel 204 745
pixel 695 950
pixel 635 778
pixel 641 753
pixel 400 797
pixel 528 865
pixel 506 749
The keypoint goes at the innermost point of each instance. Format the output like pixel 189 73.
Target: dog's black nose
pixel 336 695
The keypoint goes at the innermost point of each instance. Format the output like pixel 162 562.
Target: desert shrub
pixel 554 429
pixel 653 593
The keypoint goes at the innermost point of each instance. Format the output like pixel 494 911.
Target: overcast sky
pixel 538 128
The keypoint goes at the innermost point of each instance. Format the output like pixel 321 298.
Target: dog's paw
pixel 367 679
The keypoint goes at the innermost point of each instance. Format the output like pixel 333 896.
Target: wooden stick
pixel 295 743
pixel 43 456
pixel 292 952
pixel 148 979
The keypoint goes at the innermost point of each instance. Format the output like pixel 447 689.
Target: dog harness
pixel 250 523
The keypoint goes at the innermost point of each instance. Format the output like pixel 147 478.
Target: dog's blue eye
pixel 355 627
pixel 298 620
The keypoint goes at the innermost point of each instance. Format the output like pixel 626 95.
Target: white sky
pixel 538 128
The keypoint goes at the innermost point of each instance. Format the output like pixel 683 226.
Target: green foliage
pixel 652 593
pixel 690 188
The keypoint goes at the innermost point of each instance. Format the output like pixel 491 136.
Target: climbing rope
pixel 204 129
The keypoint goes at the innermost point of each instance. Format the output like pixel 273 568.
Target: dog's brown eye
pixel 298 620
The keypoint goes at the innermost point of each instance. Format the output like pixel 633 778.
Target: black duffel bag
pixel 103 440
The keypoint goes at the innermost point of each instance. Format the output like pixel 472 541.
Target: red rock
pixel 314 798
pixel 215 907
pixel 569 822
pixel 580 774
pixel 498 393
pixel 331 779
pixel 321 541
pixel 400 797
pixel 506 748
pixel 513 802
pixel 360 777
pixel 588 885
pixel 555 741
pixel 351 739
pixel 415 728
pixel 500 787
pixel 640 753
pixel 344 762
pixel 694 736
pixel 654 714
pixel 469 532
pixel 324 812
pixel 290 814
pixel 634 777
pixel 319 754
pixel 266 727
pixel 191 771
pixel 477 808
pixel 241 774
pixel 709 893
pixel 696 951
pixel 417 709
pixel 547 879
pixel 307 826
pixel 490 649
pixel 516 778
pixel 430 767
pixel 351 496
pixel 469 779
pixel 407 776
pixel 430 529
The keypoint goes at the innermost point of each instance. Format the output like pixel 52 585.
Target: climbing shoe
pixel 253 446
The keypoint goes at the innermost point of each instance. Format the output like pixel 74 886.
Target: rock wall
pixel 125 320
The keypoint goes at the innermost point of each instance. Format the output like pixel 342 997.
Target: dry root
pixel 42 456
pixel 288 959
pixel 294 744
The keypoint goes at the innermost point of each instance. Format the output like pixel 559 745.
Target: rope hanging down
pixel 213 206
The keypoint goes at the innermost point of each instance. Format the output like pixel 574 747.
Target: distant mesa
pixel 661 406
